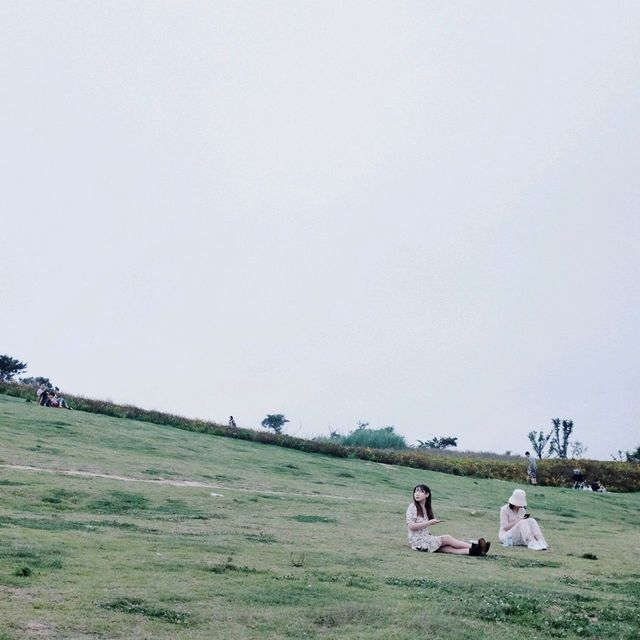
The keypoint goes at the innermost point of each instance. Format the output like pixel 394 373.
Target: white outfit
pixel 522 533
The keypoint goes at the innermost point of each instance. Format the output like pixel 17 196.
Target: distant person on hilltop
pixel 516 527
pixel 420 518
pixel 41 394
pixel 50 398
pixel 59 400
pixel 232 422
pixel 532 468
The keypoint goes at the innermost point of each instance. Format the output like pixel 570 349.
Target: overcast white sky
pixel 419 214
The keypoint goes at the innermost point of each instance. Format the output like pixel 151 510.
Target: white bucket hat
pixel 518 498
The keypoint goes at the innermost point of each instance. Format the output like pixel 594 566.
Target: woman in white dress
pixel 516 527
pixel 420 518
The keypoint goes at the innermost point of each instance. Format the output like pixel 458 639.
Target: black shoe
pixel 475 549
pixel 482 544
pixel 486 548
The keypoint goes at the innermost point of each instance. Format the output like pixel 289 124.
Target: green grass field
pixel 185 535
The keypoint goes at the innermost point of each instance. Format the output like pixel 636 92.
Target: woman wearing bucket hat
pixel 420 517
pixel 516 527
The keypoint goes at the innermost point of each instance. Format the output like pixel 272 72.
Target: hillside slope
pixel 254 541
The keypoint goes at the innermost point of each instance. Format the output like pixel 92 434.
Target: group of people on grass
pixel 48 397
pixel 516 527
pixel 579 481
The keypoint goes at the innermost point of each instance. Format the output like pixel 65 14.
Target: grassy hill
pixel 616 476
pixel 113 528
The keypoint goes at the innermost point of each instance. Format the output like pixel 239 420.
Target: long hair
pixel 427 502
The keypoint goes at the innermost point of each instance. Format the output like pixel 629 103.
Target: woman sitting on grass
pixel 516 527
pixel 420 517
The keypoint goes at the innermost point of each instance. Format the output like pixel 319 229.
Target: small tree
pixel 633 456
pixel 578 449
pixel 438 443
pixel 539 441
pixel 275 421
pixel 560 440
pixel 9 367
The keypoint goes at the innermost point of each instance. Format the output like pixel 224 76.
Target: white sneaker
pixel 535 545
pixel 543 544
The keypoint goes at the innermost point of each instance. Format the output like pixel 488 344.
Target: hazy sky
pixel 419 214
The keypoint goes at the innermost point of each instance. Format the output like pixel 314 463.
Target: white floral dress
pixel 421 539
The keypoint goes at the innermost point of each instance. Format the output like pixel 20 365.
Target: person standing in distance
pixel 532 468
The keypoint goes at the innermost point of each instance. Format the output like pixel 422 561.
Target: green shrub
pixel 384 438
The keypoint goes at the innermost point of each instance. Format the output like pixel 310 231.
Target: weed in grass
pixel 120 502
pixel 345 474
pixel 179 508
pixel 347 614
pixel 61 499
pixel 297 559
pixel 228 566
pixel 425 583
pixel 10 483
pixel 427 625
pixel 589 556
pixel 348 579
pixel 23 572
pixel 40 558
pixel 302 518
pixel 288 593
pixel 517 608
pixel 55 524
pixel 570 580
pixel 629 587
pixel 551 613
pixel 524 563
pixel 161 473
pixel 45 524
pixel 264 538
pixel 624 587
pixel 289 576
pixel 137 606
pixel 40 449
pixel 222 478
